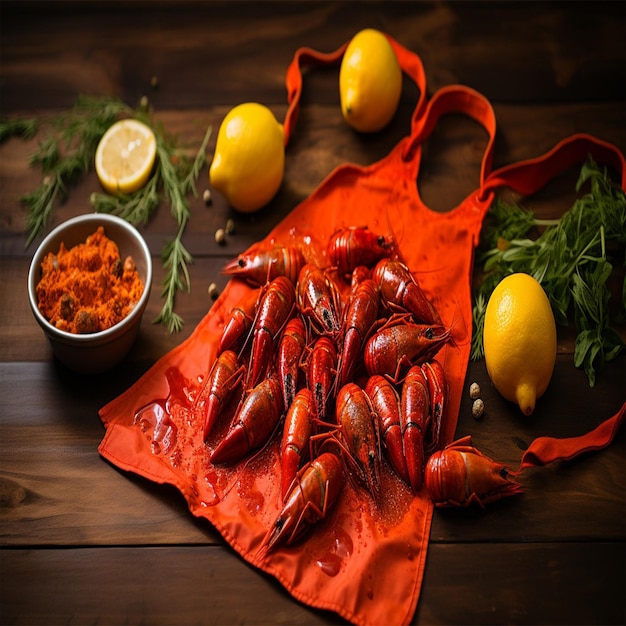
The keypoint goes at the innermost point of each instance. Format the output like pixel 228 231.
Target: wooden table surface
pixel 83 542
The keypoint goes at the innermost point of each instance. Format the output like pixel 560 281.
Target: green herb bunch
pixel 572 258
pixel 67 153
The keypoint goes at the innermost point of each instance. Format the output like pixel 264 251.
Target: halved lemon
pixel 125 156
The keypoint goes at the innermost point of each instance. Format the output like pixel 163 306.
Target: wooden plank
pixel 523 583
pixel 463 584
pixel 66 483
pixel 155 585
pixel 508 50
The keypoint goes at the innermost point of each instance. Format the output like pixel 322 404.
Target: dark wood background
pixel 84 543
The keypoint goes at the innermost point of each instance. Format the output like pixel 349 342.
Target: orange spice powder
pixel 88 288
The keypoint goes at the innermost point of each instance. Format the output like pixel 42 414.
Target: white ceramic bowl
pixel 93 353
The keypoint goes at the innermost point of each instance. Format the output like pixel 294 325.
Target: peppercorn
pixel 213 291
pixel 474 391
pixel 478 408
pixel 206 196
pixel 230 226
pixel 220 236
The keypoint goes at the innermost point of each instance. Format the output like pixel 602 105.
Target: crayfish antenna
pixel 460 335
pixel 392 223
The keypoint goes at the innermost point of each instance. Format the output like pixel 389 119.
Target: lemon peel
pixel 125 156
pixel 370 81
pixel 520 340
pixel 249 159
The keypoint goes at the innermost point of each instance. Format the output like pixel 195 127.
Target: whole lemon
pixel 520 340
pixel 370 81
pixel 249 159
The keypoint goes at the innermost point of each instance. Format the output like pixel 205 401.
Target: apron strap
pixel 455 99
pixel 544 450
pixel 409 62
pixel 304 57
pixel 529 176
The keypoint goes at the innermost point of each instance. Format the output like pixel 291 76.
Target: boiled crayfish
pixel 259 266
pixel 359 319
pixel 291 348
pixel 276 305
pixel 356 420
pixel 461 475
pixel 222 381
pixel 311 496
pixel 255 421
pixel 297 432
pixel 401 343
pixel 352 247
pixel 318 299
pixel 400 291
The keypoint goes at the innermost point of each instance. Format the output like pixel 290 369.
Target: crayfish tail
pixel 259 359
pixel 232 448
pixel 415 469
pixel 289 469
pixel 213 409
pixel 233 332
pixel 396 456
pixel 349 353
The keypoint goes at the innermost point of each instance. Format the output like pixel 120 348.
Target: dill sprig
pixel 175 256
pixel 68 152
pixel 175 259
pixel 135 208
pixel 25 128
pixel 189 182
pixel 571 260
pixel 478 318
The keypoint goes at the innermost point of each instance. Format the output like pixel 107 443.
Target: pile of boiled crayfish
pixel 341 360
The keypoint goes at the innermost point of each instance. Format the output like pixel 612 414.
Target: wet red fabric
pixel 364 562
